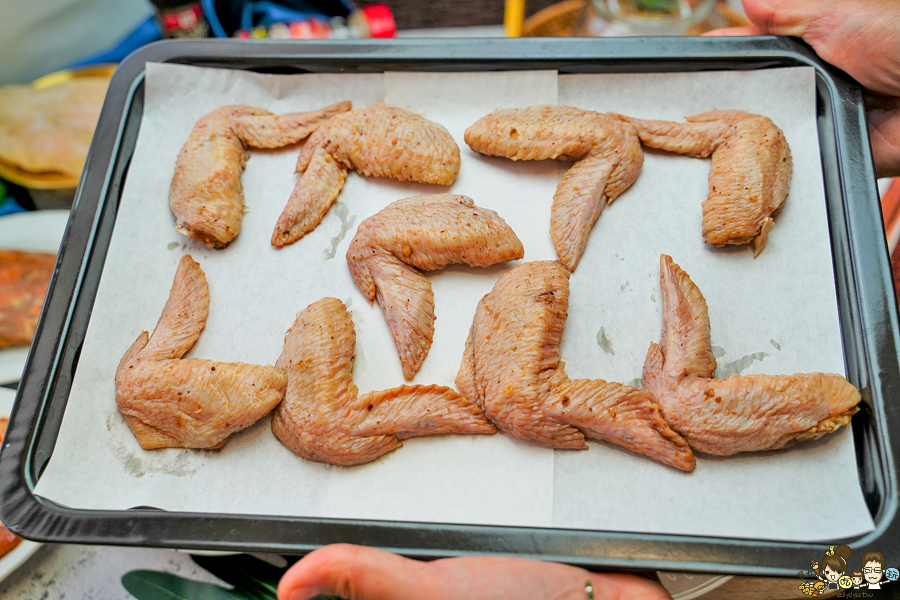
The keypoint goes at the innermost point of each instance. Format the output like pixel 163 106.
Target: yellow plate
pixel 36 181
pixel 52 180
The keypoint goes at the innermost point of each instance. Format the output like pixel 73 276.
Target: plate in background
pixel 18 555
pixel 37 231
pixel 52 180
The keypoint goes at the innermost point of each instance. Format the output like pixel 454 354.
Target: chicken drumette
pixel 378 141
pixel 324 419
pixel 740 413
pixel 168 401
pixel 206 196
pixel 607 150
pixel 511 369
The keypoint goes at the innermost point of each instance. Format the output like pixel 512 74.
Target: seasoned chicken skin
pixel 740 413
pixel 511 369
pixel 323 418
pixel 189 403
pixel 378 141
pixel 607 151
pixel 425 233
pixel 206 196
pixel 750 174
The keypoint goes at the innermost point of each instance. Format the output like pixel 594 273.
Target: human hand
pixel 861 37
pixel 360 573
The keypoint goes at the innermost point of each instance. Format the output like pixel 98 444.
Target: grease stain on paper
pixel 604 342
pixel 172 462
pixel 738 366
pixel 347 221
pixel 637 382
pixel 172 245
pixel 775 345
pixel 718 351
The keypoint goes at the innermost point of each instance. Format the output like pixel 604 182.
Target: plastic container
pixel 373 21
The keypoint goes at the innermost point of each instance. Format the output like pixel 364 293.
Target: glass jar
pixel 654 17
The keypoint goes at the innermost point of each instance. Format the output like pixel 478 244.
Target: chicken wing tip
pixel 189 261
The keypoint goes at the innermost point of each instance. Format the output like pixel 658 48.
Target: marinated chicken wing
pixel 740 413
pixel 378 141
pixel 427 233
pixel 24 277
pixel 607 151
pixel 324 419
pixel 511 369
pixel 206 196
pixel 189 403
pixel 750 173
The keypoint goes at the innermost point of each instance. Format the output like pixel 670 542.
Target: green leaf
pixel 247 574
pixel 252 579
pixel 250 576
pixel 657 5
pixel 155 585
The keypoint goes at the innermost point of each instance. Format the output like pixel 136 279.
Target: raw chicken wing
pixel 378 141
pixel 511 369
pixel 607 151
pixel 740 413
pixel 426 233
pixel 750 173
pixel 189 403
pixel 323 418
pixel 206 196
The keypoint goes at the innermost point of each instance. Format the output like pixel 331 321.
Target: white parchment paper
pixel 775 314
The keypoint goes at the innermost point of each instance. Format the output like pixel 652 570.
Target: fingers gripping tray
pixel 400 71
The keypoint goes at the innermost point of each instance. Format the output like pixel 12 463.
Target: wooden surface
pixel 760 588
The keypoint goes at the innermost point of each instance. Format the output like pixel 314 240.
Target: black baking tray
pixel 865 292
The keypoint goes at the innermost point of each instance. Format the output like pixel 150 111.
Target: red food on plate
pixel 24 277
pixel 8 541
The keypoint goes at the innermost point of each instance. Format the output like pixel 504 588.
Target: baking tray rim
pixel 875 370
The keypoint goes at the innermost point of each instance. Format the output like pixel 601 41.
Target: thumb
pixel 791 17
pixel 361 573
pixel 734 31
pixel 861 37
pixel 351 572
